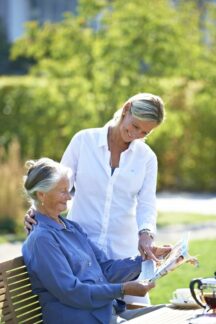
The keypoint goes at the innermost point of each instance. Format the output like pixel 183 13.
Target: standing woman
pixel 115 175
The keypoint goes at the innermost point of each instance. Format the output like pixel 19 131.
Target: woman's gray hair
pixel 145 106
pixel 43 175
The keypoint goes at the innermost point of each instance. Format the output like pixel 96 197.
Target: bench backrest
pixel 18 304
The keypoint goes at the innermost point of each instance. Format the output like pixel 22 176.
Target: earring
pixel 42 203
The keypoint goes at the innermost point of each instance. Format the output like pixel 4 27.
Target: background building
pixel 14 13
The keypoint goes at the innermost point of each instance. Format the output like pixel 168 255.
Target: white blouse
pixel 112 208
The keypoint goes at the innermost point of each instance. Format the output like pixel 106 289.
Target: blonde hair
pixel 144 106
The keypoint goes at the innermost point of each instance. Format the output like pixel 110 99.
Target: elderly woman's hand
pixel 137 288
pixel 29 220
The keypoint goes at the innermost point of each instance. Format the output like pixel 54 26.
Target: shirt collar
pixel 47 221
pixel 132 145
pixel 103 138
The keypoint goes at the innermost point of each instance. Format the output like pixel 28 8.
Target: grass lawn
pixel 165 219
pixel 205 250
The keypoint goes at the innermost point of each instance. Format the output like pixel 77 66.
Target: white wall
pixel 18 14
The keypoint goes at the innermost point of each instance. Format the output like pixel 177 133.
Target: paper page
pixel 174 259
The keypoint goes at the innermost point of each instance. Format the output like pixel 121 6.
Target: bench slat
pixel 2 298
pixel 18 304
pixel 27 308
pixel 28 311
pixel 20 290
pixel 24 317
pixel 6 308
pixel 19 277
pixel 21 296
pixel 3 304
pixel 2 291
pixel 26 301
pixel 32 320
pixel 12 264
pixel 8 317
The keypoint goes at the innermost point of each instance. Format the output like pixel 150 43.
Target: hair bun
pixel 29 166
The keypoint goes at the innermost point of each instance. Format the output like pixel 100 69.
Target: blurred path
pixel 9 250
pixel 181 202
pixel 187 202
pixel 173 233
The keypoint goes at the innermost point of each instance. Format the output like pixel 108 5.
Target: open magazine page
pixel 173 260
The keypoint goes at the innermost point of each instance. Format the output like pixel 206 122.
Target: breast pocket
pixel 130 181
pixel 78 261
pixel 76 264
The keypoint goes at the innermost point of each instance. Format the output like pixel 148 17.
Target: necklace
pixel 62 223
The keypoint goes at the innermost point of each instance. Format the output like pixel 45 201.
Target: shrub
pixel 44 114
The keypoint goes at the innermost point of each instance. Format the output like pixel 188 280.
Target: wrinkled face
pixel 132 128
pixel 55 201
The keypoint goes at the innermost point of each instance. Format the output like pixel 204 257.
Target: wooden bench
pixel 18 304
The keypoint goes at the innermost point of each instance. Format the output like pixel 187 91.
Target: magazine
pixel 178 255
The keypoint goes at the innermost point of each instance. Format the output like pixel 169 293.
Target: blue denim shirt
pixel 75 281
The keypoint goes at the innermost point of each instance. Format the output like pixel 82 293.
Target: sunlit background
pixel 68 65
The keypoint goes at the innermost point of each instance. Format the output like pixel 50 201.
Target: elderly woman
pixel 75 281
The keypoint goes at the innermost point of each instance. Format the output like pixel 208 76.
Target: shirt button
pixel 89 263
pixel 101 279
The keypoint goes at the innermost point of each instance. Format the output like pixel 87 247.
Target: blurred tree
pixel 94 61
pixel 129 41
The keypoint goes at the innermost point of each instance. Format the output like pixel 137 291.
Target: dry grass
pixel 12 206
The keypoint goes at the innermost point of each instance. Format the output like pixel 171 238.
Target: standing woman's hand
pixel 145 246
pixel 149 251
pixel 29 220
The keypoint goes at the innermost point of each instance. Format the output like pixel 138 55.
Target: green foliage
pixel 8 225
pixel 181 277
pixel 185 144
pixel 43 114
pixel 87 66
